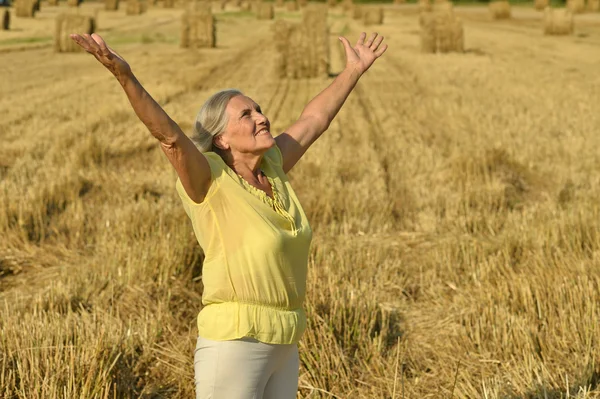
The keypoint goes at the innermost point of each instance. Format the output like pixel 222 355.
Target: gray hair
pixel 212 119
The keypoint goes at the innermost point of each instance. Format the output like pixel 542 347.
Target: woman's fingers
pixel 101 45
pixel 369 42
pixel 95 49
pixel 376 43
pixel 381 50
pixel 361 39
pixel 80 41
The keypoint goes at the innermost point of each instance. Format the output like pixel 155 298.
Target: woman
pixel 248 221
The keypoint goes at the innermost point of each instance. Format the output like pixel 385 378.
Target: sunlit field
pixel 455 203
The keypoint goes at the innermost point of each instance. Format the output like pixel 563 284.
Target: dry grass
pixel 454 203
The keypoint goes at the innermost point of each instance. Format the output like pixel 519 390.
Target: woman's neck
pixel 245 165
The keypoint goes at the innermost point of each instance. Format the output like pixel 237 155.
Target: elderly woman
pixel 247 219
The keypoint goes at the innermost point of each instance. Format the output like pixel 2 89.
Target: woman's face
pixel 248 130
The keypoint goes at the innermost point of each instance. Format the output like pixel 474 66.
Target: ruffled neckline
pixel 274 202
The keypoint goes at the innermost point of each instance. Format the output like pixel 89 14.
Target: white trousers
pixel 245 369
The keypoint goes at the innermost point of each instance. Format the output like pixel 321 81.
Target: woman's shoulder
pixel 273 156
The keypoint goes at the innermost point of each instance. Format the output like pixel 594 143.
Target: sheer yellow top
pixel 256 255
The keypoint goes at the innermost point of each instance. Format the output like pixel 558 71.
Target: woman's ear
pixel 220 142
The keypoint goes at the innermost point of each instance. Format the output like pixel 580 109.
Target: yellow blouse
pixel 256 255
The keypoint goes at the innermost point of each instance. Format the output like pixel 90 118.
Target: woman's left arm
pixel 320 111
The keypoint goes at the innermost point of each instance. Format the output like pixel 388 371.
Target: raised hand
pixel 95 45
pixel 363 54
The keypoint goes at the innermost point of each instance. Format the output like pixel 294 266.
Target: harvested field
pixel 454 204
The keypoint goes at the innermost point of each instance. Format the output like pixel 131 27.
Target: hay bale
pixel 347 5
pixel 218 5
pixel 136 7
pixel 441 32
pixel 302 3
pixel 279 3
pixel 399 2
pixel 26 8
pixel 424 5
pixel 68 23
pixel 265 11
pixel 358 11
pixel 52 2
pixel 4 19
pixel 593 5
pixel 558 21
pixel 373 16
pixel 292 6
pixel 332 3
pixel 74 3
pixel 303 48
pixel 541 4
pixel 198 29
pixel 168 3
pixel 576 6
pixel 111 5
pixel 500 9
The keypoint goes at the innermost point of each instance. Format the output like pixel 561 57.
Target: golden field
pixel 454 203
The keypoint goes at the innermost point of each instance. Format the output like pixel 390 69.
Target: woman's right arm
pixel 191 166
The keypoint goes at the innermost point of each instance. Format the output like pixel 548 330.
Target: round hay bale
pixel 302 3
pixel 358 11
pixel 500 9
pixel 593 5
pixel 373 16
pixel 68 23
pixel 198 29
pixel 424 5
pixel 111 5
pixel 74 3
pixel 26 8
pixel 292 5
pixel 558 21
pixel 265 11
pixel 4 19
pixel 541 4
pixel 52 2
pixel 441 32
pixel 168 3
pixel 279 3
pixel 218 5
pixel 332 3
pixel 576 6
pixel 136 7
